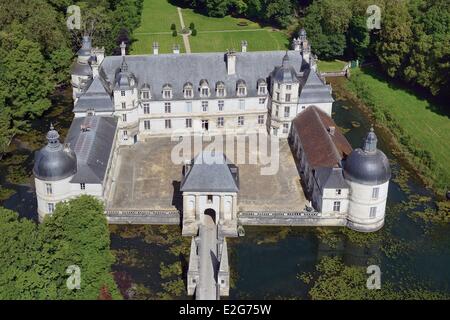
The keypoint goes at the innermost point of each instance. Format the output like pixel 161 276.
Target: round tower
pixel 81 71
pixel 367 171
pixel 54 167
pixel 284 96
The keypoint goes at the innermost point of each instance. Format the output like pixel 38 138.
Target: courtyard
pixel 146 178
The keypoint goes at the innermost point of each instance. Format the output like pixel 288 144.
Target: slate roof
pixel 321 148
pixel 330 178
pixel 211 172
pixel 96 97
pixel 81 69
pixel 314 90
pixel 92 146
pixel 177 69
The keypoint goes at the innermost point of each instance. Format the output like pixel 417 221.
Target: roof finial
pixel 124 66
pixel 52 137
pixel 370 143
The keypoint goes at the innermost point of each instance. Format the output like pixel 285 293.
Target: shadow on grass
pixel 436 104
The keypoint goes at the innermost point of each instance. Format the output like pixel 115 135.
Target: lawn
pixel 331 66
pixel 158 16
pixel 214 34
pixel 428 127
pixel 260 40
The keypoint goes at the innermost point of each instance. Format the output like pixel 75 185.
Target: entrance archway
pixel 211 213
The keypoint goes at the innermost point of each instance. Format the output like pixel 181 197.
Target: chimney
pixel 244 45
pixel 95 65
pixel 231 62
pixel 123 48
pixel 332 130
pixel 297 44
pixel 176 49
pixel 155 47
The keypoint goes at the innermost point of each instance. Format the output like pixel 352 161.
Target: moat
pixel 265 263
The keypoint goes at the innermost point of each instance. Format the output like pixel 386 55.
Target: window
pixel 204 92
pixel 241 91
pixel 124 105
pixel 287 112
pixel 261 119
pixel 124 117
pixel 220 89
pixel 221 104
pixel 373 212
pixel 337 206
pixel 205 125
pixel 240 121
pixel 146 108
pixel 262 100
pixel 277 111
pixel 288 97
pixel 220 122
pixel 146 124
pixel 145 95
pixel 278 85
pixel 189 106
pixel 242 104
pixel 49 188
pixel 275 131
pixel 210 198
pixel 122 93
pixel 167 107
pixel 168 124
pixel 205 106
pixel 262 89
pixel 288 87
pixel 82 186
pixel 167 92
pixel 285 127
pixel 188 93
pixel 338 192
pixel 125 134
pixel 51 207
pixel 188 123
pixel 375 193
pixel 278 96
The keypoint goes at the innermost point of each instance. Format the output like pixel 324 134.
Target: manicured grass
pixel 205 23
pixel 428 127
pixel 158 16
pixel 144 43
pixel 213 33
pixel 331 66
pixel 257 41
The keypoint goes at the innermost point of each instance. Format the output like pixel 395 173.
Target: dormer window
pixel 204 88
pixel 167 91
pixel 262 87
pixel 241 88
pixel 220 89
pixel 188 90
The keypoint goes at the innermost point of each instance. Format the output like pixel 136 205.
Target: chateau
pixel 126 109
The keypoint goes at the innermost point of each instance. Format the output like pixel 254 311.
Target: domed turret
pixel 286 73
pixel 125 80
pixel 368 166
pixel 367 172
pixel 54 161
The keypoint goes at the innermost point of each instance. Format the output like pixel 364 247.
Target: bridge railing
pixel 142 216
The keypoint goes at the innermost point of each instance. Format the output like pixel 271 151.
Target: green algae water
pixel 265 264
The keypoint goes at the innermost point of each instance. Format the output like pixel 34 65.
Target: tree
pixel 358 37
pixel 77 234
pixel 27 77
pixel 34 259
pixel 395 37
pixel 217 8
pixel 326 23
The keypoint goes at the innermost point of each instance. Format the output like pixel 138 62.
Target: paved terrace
pixel 147 179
